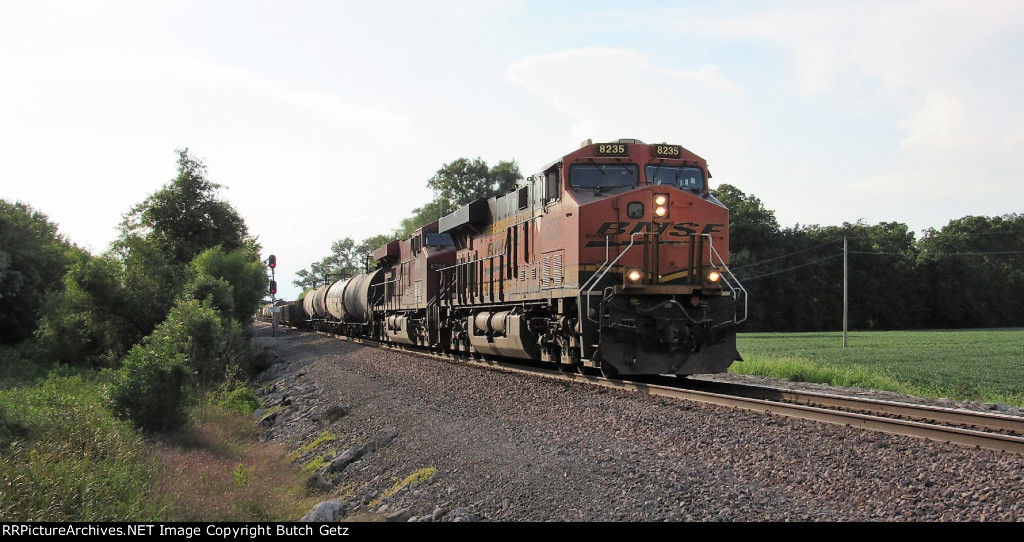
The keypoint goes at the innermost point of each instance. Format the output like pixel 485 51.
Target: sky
pixel 324 119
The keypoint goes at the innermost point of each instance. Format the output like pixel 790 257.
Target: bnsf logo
pixel 680 231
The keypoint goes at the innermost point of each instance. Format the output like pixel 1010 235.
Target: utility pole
pixel 846 291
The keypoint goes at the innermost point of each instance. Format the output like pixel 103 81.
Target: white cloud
pixel 616 93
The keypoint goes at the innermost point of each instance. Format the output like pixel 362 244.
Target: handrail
pixel 606 267
pixel 737 290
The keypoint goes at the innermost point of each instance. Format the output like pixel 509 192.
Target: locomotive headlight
pixel 634 275
pixel 661 205
pixel 714 276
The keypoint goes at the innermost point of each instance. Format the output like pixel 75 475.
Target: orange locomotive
pixel 614 257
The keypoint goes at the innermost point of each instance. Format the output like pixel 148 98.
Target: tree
pixel 33 259
pixel 422 216
pixel 464 180
pixel 110 303
pixel 345 260
pixel 92 321
pixel 752 228
pixel 162 235
pixel 458 183
pixel 973 271
pixel 185 218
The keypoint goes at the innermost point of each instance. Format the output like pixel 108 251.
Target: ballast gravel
pixel 428 440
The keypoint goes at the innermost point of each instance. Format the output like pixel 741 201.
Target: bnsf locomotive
pixel 613 257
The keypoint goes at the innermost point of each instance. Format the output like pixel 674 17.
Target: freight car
pixel 613 257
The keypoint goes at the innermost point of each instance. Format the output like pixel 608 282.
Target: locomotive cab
pixel 655 294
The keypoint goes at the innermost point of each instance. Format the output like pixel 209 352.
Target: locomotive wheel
pixel 580 367
pixel 609 372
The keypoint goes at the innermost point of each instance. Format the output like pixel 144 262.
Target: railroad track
pixel 966 428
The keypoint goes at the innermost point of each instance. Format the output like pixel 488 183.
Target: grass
pixel 976 365
pixel 414 479
pixel 217 471
pixel 64 457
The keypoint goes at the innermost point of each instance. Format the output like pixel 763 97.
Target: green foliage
pixel 217 292
pixel 89 322
pixel 185 218
pixel 752 227
pixel 462 181
pixel 17 367
pixel 346 260
pixel 976 267
pixel 64 457
pixel 240 271
pixel 370 244
pixel 414 479
pixel 968 275
pixel 194 346
pixel 33 258
pixel 153 390
pixel 239 475
pixel 197 331
pixel 151 282
pixel 236 397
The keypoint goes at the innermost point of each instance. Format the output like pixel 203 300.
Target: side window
pixel 524 197
pixel 552 186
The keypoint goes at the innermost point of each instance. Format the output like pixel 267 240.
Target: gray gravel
pixel 495 446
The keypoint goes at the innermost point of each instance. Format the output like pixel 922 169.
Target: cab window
pixel 603 176
pixel 682 177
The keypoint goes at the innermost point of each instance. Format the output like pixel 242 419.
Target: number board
pixel 612 149
pixel 668 151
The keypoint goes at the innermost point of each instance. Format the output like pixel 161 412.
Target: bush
pixel 239 399
pixel 195 329
pixel 152 389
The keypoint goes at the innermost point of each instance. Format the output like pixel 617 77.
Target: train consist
pixel 613 257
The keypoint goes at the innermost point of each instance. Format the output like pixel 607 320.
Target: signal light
pixel 272 261
pixel 273 287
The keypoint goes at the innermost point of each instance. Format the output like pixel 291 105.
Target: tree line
pixel 163 314
pixel 968 274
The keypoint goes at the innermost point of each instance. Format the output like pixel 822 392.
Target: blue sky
pixel 324 119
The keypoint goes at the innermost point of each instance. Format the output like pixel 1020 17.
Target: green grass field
pixel 982 365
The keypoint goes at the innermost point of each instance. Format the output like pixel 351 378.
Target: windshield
pixel 603 176
pixel 685 177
